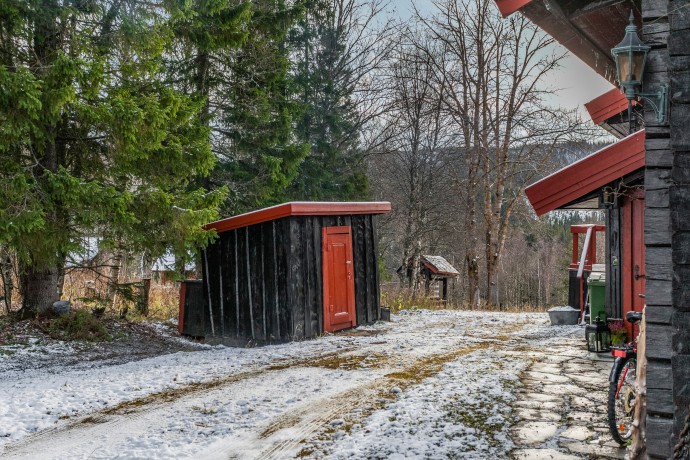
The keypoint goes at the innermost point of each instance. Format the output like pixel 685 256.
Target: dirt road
pixel 428 384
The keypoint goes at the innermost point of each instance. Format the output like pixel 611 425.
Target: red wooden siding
pixel 633 263
pixel 587 175
pixel 508 7
pixel 606 106
pixel 298 208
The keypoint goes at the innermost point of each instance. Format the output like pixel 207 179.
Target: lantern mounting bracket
pixel 658 101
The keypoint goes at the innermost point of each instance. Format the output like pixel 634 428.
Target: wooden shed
pixel 290 272
pixel 435 271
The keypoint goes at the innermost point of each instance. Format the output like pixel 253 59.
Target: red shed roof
pixel 588 174
pixel 299 208
pixel 607 105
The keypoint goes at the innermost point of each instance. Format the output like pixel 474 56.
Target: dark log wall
pixel 613 262
pixel 263 283
pixel 193 319
pixel 660 238
pixel 679 197
pixel 246 276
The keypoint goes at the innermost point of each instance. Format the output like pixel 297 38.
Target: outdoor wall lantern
pixel 630 56
pixel 598 337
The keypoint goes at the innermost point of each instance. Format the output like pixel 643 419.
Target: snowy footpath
pixel 429 384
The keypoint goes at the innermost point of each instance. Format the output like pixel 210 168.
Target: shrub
pixel 78 325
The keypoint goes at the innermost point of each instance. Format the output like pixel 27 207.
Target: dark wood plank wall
pixel 193 309
pixel 263 283
pixel 658 239
pixel 679 197
pixel 366 268
pixel 242 291
pixel 613 262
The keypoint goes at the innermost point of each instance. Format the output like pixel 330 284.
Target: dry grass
pixel 397 298
pixel 86 289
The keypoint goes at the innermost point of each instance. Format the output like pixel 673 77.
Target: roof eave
pixel 298 208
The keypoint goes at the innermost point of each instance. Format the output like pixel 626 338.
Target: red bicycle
pixel 621 401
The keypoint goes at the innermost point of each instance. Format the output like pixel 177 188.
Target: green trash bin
pixel 597 296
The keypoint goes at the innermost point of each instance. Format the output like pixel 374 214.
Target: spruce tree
pixel 93 142
pixel 334 169
pixel 258 150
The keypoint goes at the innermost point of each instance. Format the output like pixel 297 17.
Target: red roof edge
pixel 299 208
pixel 508 7
pixel 588 174
pixel 607 105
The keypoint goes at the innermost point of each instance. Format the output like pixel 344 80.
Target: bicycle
pixel 621 398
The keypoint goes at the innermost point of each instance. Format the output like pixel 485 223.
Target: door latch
pixel 637 273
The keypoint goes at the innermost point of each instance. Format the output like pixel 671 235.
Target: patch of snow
pixel 271 396
pixel 563 308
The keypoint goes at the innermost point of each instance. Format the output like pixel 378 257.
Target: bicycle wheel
pixel 621 403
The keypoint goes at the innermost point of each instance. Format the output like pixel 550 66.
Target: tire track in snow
pixel 130 411
pixel 285 434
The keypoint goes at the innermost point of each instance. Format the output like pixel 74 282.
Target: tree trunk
pixel 473 278
pixel 8 286
pixel 39 289
pixel 146 271
pixel 111 293
pixel 414 278
pixel 492 295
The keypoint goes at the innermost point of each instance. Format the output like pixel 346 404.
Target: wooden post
pixel 638 448
pixel 145 294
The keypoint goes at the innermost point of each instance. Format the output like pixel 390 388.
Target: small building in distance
pixel 287 272
pixel 436 273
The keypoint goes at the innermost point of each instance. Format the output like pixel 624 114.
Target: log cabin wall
pixel 263 282
pixel 679 196
pixel 660 257
pixel 613 262
pixel 244 301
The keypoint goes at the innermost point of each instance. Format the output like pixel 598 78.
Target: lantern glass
pixel 598 337
pixel 623 65
pixel 630 55
pixel 638 59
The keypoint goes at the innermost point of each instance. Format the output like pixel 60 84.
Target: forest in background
pixel 133 123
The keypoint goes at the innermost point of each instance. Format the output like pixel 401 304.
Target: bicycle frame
pixel 621 355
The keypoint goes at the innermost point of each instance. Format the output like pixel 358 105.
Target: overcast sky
pixel 575 82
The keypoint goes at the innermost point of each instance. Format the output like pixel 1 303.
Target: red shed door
pixel 338 279
pixel 633 254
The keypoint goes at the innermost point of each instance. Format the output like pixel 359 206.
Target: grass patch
pixel 348 363
pixel 78 325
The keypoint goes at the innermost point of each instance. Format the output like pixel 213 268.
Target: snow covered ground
pixel 429 384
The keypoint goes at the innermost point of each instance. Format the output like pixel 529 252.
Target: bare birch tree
pixel 492 72
pixel 415 159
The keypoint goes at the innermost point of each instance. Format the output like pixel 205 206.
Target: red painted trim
pixel 587 175
pixel 298 208
pixel 508 7
pixel 577 230
pixel 607 105
pixel 582 228
pixel 180 316
pixel 327 325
